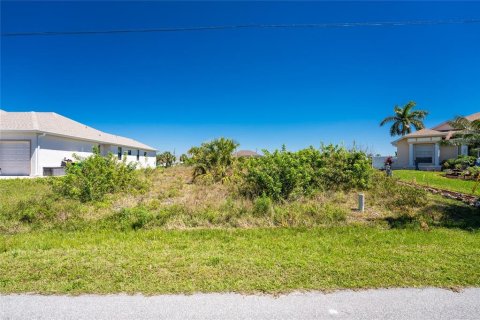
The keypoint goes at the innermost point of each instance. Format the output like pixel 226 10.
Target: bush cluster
pixel 92 178
pixel 285 175
pixel 462 162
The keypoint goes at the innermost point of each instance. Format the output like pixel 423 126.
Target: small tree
pixel 184 158
pixel 165 159
pixel 213 158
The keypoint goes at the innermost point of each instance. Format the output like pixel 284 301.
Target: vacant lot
pixel 173 202
pixel 437 180
pixel 185 237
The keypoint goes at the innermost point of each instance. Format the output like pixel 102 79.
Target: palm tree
pixel 405 117
pixel 166 159
pixel 466 132
pixel 213 157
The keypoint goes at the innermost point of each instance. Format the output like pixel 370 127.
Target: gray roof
pixel 55 124
pixel 246 153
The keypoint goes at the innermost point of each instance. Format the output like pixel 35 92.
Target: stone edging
pixel 465 198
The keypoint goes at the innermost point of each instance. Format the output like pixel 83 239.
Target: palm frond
pixel 459 123
pixel 419 114
pixel 417 124
pixel 387 119
pixel 475 124
pixel 467 132
pixel 406 128
pixel 398 110
pixel 395 130
pixel 408 107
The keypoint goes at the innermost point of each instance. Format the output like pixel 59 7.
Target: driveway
pixel 17 177
pixel 369 304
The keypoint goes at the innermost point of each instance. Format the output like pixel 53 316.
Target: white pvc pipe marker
pixel 361 202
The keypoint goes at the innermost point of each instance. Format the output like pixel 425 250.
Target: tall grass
pixel 173 202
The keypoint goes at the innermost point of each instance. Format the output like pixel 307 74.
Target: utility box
pixel 54 171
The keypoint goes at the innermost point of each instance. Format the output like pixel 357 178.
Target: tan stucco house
pixel 425 148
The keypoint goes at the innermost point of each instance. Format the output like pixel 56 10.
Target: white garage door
pixel 15 158
pixel 424 153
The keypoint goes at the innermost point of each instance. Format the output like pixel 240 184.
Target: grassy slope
pixel 435 179
pixel 52 245
pixel 252 260
pixel 173 202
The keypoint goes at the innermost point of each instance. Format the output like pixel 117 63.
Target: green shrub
pixel 46 211
pixel 406 197
pixel 166 213
pixel 30 211
pixel 92 178
pixel 474 172
pixel 262 205
pixel 337 168
pixel 287 175
pixel 333 213
pixel 395 196
pixel 27 211
pixel 297 214
pixel 132 218
pixel 462 162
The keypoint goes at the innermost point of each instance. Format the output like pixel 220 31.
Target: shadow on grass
pixel 447 215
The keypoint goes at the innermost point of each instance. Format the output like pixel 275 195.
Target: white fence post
pixel 361 202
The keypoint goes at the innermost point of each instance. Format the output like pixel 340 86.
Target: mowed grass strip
pixel 248 261
pixel 436 180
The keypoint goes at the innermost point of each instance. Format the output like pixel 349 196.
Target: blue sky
pixel 262 87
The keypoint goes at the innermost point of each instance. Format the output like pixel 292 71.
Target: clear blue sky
pixel 263 87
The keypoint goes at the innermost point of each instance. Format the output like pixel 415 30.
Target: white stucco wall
pixel 149 161
pixel 50 151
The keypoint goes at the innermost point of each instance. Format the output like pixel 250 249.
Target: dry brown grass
pixel 174 202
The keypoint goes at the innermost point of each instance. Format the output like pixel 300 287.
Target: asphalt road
pixel 370 304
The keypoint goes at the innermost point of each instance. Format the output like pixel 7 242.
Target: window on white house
pixel 138 155
pixel 129 152
pixel 119 153
pixel 145 154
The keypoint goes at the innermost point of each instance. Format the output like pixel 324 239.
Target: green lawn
pixel 249 260
pixel 437 180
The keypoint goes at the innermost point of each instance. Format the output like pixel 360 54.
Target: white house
pixel 36 143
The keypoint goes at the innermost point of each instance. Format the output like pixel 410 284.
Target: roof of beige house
pixel 55 124
pixel 426 132
pixel 246 153
pixel 442 130
pixel 444 126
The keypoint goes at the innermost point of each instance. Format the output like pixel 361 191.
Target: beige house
pixel 424 147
